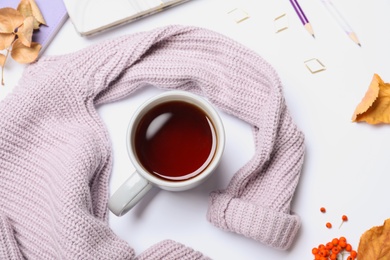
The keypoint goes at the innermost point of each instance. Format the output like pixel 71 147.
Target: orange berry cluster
pixel 332 249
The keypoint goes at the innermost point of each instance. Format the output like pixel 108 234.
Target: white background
pixel 346 167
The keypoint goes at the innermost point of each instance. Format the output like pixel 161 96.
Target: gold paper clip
pixel 281 23
pixel 314 65
pixel 238 15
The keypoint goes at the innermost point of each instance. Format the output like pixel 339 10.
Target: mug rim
pixel 200 103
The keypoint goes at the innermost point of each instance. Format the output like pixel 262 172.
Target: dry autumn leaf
pixel 25 31
pixel 16 31
pixel 375 243
pixel 375 105
pixel 2 59
pixel 23 54
pixel 30 8
pixel 6 40
pixel 10 19
pixel 37 13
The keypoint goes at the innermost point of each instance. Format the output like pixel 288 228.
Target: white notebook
pixel 93 16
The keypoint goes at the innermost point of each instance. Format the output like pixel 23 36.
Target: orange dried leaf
pixel 375 106
pixel 23 54
pixel 25 31
pixel 369 98
pixel 6 40
pixel 10 19
pixel 374 243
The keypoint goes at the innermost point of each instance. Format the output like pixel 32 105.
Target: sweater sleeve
pixel 8 247
pixel 169 249
pixel 257 201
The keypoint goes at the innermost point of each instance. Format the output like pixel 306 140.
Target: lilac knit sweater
pixel 55 155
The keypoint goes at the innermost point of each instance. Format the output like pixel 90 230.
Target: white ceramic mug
pixel 141 181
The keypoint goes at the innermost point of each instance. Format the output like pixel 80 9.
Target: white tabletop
pixel 346 166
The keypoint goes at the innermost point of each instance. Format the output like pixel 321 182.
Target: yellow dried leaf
pixel 30 8
pixel 37 12
pixel 375 106
pixel 10 19
pixel 24 54
pixel 24 8
pixel 6 40
pixel 375 243
pixel 25 31
pixel 2 59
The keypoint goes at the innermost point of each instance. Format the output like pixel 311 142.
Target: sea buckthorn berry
pixel 329 245
pixel 350 258
pixel 335 241
pixel 344 218
pixel 353 253
pixel 343 239
pixel 329 225
pixel 322 209
pixel 348 248
pixel 342 244
pixel 333 257
pixel 321 246
pixel 335 250
pixel 314 251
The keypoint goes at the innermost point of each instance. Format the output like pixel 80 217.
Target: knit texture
pixel 169 249
pixel 55 152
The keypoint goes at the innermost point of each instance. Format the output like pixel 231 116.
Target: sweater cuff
pixel 270 227
pixel 8 246
pixel 169 249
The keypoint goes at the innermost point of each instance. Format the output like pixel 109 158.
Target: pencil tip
pixel 359 45
pixel 313 36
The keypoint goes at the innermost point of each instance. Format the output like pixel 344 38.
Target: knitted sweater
pixel 55 154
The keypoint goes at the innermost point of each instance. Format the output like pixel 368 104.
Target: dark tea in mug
pixel 175 141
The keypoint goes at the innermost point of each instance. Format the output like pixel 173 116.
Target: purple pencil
pixel 302 16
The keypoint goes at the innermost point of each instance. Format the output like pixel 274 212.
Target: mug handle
pixel 128 194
